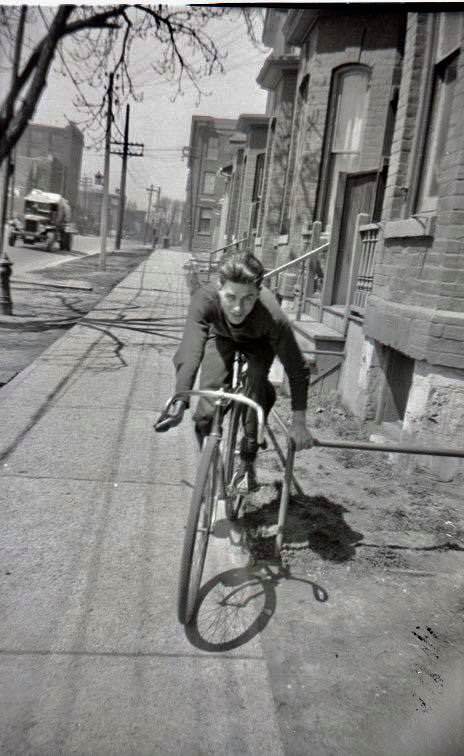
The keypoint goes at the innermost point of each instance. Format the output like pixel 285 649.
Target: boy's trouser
pixel 216 373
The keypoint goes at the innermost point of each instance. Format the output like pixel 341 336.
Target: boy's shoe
pixel 244 479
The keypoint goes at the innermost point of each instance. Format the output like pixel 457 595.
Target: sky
pixel 163 126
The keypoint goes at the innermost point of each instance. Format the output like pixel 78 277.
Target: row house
pixel 244 180
pixel 364 159
pixel 208 151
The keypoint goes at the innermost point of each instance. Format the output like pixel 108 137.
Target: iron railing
pixel 369 234
pixel 217 256
pixel 304 268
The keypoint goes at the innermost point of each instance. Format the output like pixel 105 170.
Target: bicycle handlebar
pixel 219 395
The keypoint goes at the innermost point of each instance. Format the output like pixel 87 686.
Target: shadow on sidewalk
pixel 237 605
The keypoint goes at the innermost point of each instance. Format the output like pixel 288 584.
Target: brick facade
pixel 203 197
pixel 417 302
pixel 255 127
pixel 335 41
pixel 277 158
pixel 63 147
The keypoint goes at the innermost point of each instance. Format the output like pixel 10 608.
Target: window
pixel 295 161
pixel 348 109
pixel 257 191
pixel 209 182
pixel 444 58
pixel 204 223
pixel 213 148
pixel 259 175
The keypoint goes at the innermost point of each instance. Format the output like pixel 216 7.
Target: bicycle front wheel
pixel 233 500
pixel 197 532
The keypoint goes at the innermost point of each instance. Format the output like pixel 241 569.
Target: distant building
pixel 88 211
pixel 209 150
pixel 244 179
pixel 49 158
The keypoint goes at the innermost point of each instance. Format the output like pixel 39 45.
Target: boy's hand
pixel 299 432
pixel 171 418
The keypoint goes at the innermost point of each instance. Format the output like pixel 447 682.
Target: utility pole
pixel 106 177
pixel 122 190
pixel 129 149
pixel 150 191
pixel 6 305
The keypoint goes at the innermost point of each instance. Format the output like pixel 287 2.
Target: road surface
pixel 26 258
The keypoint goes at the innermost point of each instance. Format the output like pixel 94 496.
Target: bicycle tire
pixel 233 501
pixel 195 540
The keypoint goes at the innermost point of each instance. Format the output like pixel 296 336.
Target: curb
pixel 23 322
pixel 51 284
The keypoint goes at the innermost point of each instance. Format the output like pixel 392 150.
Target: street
pixel 27 258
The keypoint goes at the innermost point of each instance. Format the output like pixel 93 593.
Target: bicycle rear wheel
pixel 233 500
pixel 197 532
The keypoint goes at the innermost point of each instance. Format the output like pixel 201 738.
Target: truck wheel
pixel 12 239
pixel 50 242
pixel 66 241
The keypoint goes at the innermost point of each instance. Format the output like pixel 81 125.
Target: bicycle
pixel 214 482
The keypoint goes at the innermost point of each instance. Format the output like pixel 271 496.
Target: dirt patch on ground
pixel 357 507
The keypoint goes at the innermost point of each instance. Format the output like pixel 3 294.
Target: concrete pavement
pixel 339 659
pixel 93 503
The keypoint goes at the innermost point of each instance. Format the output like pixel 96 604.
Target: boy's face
pixel 237 300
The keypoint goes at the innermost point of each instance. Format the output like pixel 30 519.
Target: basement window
pixel 398 379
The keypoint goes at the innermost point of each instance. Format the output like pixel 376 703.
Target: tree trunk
pixel 15 129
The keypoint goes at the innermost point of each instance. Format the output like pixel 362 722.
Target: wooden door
pixel 356 194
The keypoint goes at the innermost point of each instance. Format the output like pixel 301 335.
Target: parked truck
pixel 46 220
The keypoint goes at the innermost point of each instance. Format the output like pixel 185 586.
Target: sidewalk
pixel 345 655
pixel 93 507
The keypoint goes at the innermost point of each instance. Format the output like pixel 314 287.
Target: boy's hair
pixel 246 270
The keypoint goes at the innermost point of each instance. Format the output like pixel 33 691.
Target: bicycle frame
pixel 222 398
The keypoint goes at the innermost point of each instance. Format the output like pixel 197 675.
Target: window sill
pixel 410 227
pixel 204 233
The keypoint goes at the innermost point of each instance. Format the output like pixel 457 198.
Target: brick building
pixel 209 149
pixel 413 348
pixel 51 156
pixel 89 203
pixel 364 142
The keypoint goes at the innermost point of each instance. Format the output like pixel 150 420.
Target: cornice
pixel 273 69
pixel 298 24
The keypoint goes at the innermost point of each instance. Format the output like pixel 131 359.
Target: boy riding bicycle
pixel 239 315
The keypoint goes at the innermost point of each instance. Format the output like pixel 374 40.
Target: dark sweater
pixel 266 322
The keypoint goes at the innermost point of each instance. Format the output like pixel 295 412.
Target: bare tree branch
pixel 93 41
pixel 16 127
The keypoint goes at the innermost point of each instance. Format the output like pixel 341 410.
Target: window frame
pixel 436 63
pixel 215 156
pixel 325 183
pixel 201 211
pixel 204 188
